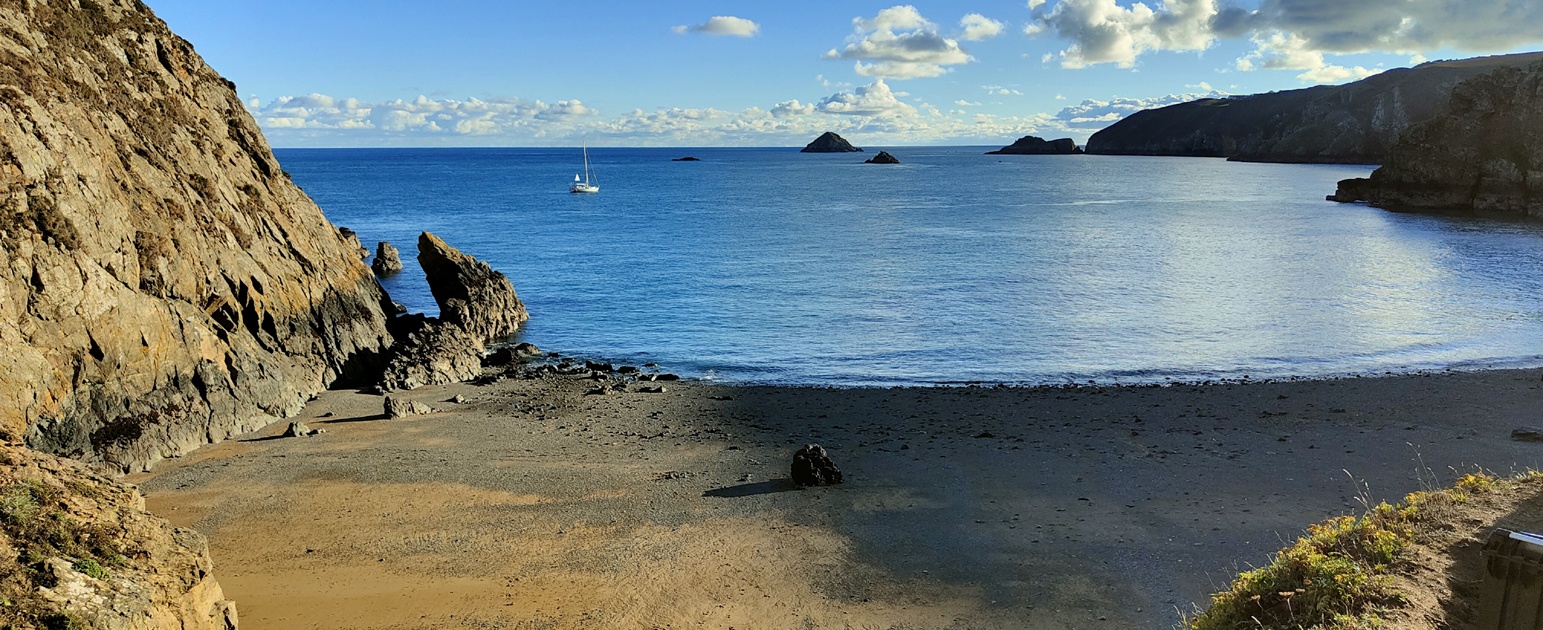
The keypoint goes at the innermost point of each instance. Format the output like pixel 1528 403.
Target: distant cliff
pixel 1032 145
pixel 1352 123
pixel 163 284
pixel 829 142
pixel 1484 154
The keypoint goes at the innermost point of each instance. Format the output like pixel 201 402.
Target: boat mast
pixel 586 164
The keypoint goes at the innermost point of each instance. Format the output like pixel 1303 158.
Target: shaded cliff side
pixel 162 282
pixel 81 552
pixel 1484 154
pixel 1355 123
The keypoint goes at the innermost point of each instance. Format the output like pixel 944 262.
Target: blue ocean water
pixel 772 266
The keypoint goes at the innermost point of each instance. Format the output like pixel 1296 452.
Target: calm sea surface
pixel 771 266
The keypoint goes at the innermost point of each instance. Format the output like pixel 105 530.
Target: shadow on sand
pixel 752 489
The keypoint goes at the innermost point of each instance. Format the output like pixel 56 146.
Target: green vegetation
pixel 35 522
pixel 1340 575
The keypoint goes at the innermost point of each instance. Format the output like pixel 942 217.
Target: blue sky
pixel 498 73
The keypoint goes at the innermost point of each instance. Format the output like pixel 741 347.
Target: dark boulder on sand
pixel 882 158
pixel 829 142
pixel 813 467
pixel 1031 145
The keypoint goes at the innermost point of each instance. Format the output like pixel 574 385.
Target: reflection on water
pixel 769 265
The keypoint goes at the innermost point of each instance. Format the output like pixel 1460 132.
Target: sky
pixel 347 73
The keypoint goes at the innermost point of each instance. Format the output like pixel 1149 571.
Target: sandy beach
pixel 534 505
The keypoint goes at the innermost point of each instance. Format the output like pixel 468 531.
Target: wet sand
pixel 534 505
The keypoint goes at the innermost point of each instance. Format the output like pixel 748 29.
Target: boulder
pixel 163 283
pixel 95 555
pixel 882 158
pixel 297 429
pixel 387 260
pixel 829 142
pixel 1031 145
pixel 400 408
pixel 813 467
pixel 477 306
pixel 1485 154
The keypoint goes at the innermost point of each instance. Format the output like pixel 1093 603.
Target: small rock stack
pixel 813 467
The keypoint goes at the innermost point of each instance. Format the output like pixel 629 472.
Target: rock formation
pixel 813 467
pixel 94 557
pixel 387 260
pixel 829 142
pixel 163 284
pixel 1355 123
pixel 477 306
pixel 1030 145
pixel 686 159
pixel 1484 154
pixel 882 158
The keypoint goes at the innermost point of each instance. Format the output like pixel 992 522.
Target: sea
pixel 770 266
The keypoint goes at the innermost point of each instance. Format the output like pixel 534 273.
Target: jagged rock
pixel 458 399
pixel 387 260
pixel 1355 123
pixel 813 467
pixel 1031 145
pixel 297 429
pixel 352 242
pixel 477 306
pixel 507 355
pixel 882 158
pixel 163 284
pixel 399 408
pixel 103 559
pixel 829 142
pixel 1484 154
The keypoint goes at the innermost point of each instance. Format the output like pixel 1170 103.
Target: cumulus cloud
pixel 1287 34
pixel 964 103
pixel 721 25
pixel 788 109
pixel 977 27
pixel 899 43
pixel 1093 114
pixel 419 115
pixel 998 90
pixel 874 99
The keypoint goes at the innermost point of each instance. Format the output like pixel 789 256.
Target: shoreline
pixel 1044 507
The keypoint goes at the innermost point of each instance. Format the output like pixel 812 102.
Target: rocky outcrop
pixel 1030 145
pixel 477 306
pixel 387 260
pixel 93 557
pixel 1355 123
pixel 163 284
pixel 829 142
pixel 686 159
pixel 882 158
pixel 812 466
pixel 1485 154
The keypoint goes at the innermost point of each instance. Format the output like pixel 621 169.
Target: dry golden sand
pixel 533 505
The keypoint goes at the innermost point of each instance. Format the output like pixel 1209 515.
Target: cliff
pixel 829 142
pixel 79 551
pixel 163 284
pixel 1485 154
pixel 1032 145
pixel 1355 123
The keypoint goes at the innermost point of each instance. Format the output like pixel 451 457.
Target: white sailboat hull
pixel 583 188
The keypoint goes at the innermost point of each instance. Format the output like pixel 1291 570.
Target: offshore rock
pixel 1485 154
pixel 829 142
pixel 813 467
pixel 387 260
pixel 1031 145
pixel 882 158
pixel 163 284
pixel 100 558
pixel 477 306
pixel 1355 123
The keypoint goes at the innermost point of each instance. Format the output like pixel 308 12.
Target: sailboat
pixel 583 186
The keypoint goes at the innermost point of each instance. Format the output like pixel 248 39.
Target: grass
pixel 34 517
pixel 1340 575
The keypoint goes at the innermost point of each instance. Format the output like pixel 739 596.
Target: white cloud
pixel 419 115
pixel 964 103
pixel 977 27
pixel 722 25
pixel 1093 114
pixel 899 43
pixel 1286 33
pixel 874 99
pixel 998 90
pixel 788 109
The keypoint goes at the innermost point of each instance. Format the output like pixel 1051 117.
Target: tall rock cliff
pixel 1484 154
pixel 163 284
pixel 1354 123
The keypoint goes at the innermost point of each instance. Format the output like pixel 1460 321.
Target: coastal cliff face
pixel 1355 123
pixel 162 282
pixel 1485 154
pixel 78 550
